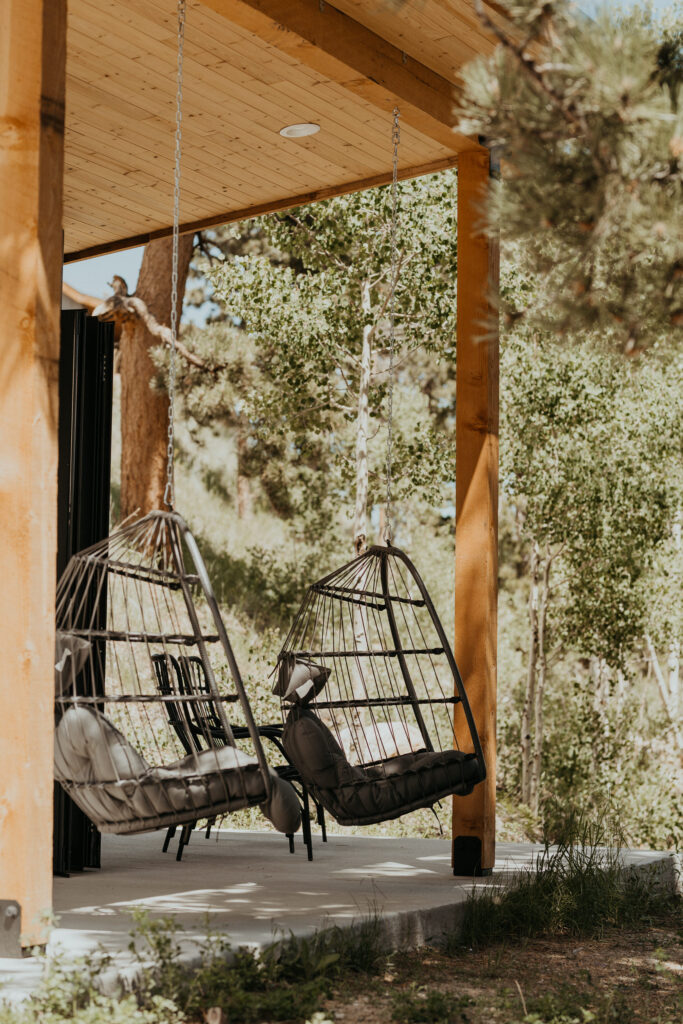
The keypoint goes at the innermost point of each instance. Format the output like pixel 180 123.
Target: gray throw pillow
pixel 88 748
pixel 282 809
pixel 299 681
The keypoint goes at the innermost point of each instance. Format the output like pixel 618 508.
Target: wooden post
pixel 32 72
pixel 476 485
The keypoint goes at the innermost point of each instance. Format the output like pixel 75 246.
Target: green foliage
pixel 577 887
pixel 607 755
pixel 428 1006
pixel 591 453
pixel 285 368
pixel 71 993
pixel 284 982
pixel 589 119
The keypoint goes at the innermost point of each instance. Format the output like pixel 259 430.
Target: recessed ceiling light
pixel 299 131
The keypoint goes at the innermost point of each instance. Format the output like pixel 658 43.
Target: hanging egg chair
pixel 135 750
pixel 372 699
pixel 369 689
pixel 143 739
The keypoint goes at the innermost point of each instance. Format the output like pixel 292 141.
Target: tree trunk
pixel 144 411
pixel 243 481
pixel 362 427
pixel 664 693
pixel 530 679
pixel 535 785
pixel 674 666
pixel 674 662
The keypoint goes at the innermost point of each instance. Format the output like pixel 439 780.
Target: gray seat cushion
pixel 356 795
pixel 120 792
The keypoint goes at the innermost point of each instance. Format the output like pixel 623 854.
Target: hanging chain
pixel 395 138
pixel 169 493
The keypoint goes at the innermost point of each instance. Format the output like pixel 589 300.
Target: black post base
pixel 467 857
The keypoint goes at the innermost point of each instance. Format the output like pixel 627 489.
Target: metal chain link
pixel 169 492
pixel 395 138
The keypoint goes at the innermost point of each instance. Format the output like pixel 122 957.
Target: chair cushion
pixel 89 748
pixel 357 795
pixel 120 792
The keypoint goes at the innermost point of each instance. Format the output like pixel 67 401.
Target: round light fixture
pixel 299 131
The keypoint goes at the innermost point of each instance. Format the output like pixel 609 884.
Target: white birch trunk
pixel 674 666
pixel 362 427
pixel 664 693
pixel 530 679
pixel 537 764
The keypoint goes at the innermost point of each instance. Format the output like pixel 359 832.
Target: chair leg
pixel 290 837
pixel 321 821
pixel 184 840
pixel 170 832
pixel 209 825
pixel 306 825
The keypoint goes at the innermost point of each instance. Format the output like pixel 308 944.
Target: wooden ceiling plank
pixel 146 135
pixel 198 178
pixel 142 198
pixel 223 190
pixel 260 210
pixel 85 36
pixel 118 83
pixel 285 172
pixel 360 60
pixel 351 126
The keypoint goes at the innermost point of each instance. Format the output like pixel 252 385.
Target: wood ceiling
pixel 251 67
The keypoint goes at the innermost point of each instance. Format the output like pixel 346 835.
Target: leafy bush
pixel 578 887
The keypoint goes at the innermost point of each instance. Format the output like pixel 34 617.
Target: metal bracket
pixel 10 928
pixel 467 857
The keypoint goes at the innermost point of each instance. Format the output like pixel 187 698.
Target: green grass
pixel 578 887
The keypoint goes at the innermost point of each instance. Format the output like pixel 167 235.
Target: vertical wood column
pixel 476 534
pixel 32 72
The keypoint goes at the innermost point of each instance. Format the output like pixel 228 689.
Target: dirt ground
pixel 625 978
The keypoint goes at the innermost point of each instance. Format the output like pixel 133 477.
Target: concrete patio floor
pixel 254 891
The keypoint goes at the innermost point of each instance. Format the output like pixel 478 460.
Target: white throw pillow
pixel 71 655
pixel 300 681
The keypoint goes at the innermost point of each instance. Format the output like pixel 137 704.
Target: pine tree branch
pixel 528 66
pixel 120 306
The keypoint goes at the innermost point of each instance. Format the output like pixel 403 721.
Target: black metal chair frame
pixel 384 590
pixel 194 722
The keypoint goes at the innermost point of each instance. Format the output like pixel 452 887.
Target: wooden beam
pixel 32 77
pixel 230 216
pixel 344 51
pixel 476 495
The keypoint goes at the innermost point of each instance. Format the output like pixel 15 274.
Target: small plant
pixel 428 1006
pixel 70 993
pixel 285 981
